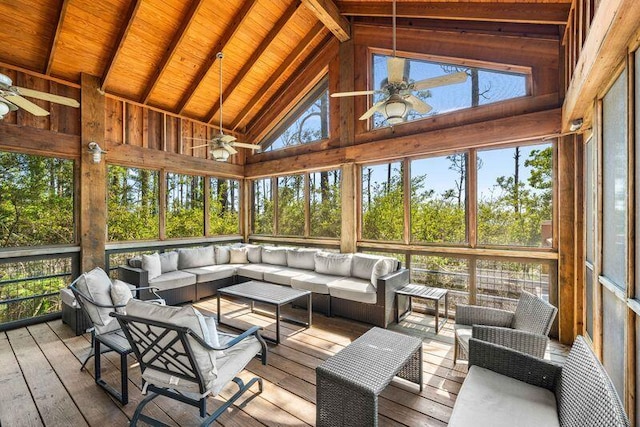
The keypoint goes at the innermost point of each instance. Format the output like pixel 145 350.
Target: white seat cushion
pixel 256 271
pixel 173 279
pixel 283 276
pixel 213 272
pixel 353 289
pixel 234 360
pixel 491 399
pixel 314 282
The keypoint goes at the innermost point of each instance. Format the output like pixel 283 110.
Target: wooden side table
pixel 426 293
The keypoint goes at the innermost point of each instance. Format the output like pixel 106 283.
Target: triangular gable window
pixel 307 122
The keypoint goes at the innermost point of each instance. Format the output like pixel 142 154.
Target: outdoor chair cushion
pixel 333 264
pixel 314 282
pixel 172 280
pixel 283 276
pixel 302 258
pixel 274 256
pixel 213 272
pixel 195 257
pixel 353 289
pixel 168 261
pixel 120 294
pixel 491 399
pixel 256 271
pixel 463 333
pixel 96 285
pixel 151 263
pixel 234 360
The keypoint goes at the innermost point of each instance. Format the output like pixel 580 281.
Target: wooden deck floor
pixel 41 382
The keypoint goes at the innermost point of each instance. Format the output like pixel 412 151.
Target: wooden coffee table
pixel 267 293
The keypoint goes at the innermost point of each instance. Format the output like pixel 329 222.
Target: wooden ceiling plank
pixel 264 45
pixel 171 50
pixel 316 31
pixel 329 14
pixel 230 31
pixel 537 13
pixel 56 34
pixel 122 36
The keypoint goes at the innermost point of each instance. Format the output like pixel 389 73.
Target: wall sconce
pixel 96 152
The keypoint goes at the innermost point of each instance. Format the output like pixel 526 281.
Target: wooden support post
pixel 348 237
pixel 246 213
pixel 93 177
pixel 207 205
pixel 162 206
pixel 566 245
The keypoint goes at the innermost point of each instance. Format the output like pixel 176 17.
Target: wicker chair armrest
pixel 477 315
pixel 526 342
pixel 514 364
pixel 136 276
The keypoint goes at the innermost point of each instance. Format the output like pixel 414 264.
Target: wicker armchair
pixel 524 330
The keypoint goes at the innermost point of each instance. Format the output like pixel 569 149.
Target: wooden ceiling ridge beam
pixel 266 42
pixel 122 36
pixel 228 34
pixel 171 50
pixel 329 14
pixel 538 13
pixel 316 31
pixel 62 12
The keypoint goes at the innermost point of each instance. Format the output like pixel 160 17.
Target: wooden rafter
pixel 316 31
pixel 282 22
pixel 231 30
pixel 175 42
pixel 537 13
pixel 54 38
pixel 122 36
pixel 327 12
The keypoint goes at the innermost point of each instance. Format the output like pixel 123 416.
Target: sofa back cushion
pixel 370 267
pixel 238 256
pixel 302 258
pixel 254 253
pixel 222 254
pixel 334 264
pixel 168 262
pixel 274 256
pixel 151 263
pixel 195 257
pixel 585 393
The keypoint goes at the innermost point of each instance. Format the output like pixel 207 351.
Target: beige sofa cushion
pixel 274 256
pixel 283 276
pixel 151 263
pixel 314 282
pixel 195 257
pixel 333 264
pixel 173 279
pixel 494 400
pixel 353 289
pixel 254 253
pixel 238 256
pixel 223 254
pixel 302 258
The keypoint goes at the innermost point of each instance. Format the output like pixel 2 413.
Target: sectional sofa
pixel 356 286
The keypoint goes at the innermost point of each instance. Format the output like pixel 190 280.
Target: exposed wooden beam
pixel 54 38
pixel 327 12
pixel 230 31
pixel 177 39
pixel 538 13
pixel 24 139
pixel 316 31
pixel 122 36
pixel 257 53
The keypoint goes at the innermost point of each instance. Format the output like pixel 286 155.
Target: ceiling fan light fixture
pixel 220 154
pixel 4 109
pixel 395 110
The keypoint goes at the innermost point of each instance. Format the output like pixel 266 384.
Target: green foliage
pixel 185 206
pixel 36 200
pixel 383 214
pixel 224 207
pixel 262 222
pixel 291 205
pixel 326 205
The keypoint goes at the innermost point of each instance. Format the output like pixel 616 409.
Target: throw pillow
pixel 152 264
pixel 168 261
pixel 120 294
pixel 212 339
pixel 383 267
pixel 238 256
pixel 334 264
pixel 222 254
pixel 254 253
pixel 96 285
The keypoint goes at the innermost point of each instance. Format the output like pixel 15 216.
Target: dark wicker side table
pixel 425 293
pixel 348 383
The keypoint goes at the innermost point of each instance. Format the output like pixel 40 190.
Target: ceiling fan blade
pixel 245 145
pixel 200 146
pixel 447 79
pixel 226 138
pixel 370 112
pixel 395 69
pixel 10 105
pixel 195 139
pixel 419 105
pixel 48 97
pixel 356 93
pixel 26 105
pixel 229 148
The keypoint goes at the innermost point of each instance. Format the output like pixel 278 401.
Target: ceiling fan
pixel 11 99
pixel 398 91
pixel 222 146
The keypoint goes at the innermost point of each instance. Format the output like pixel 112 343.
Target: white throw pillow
pixel 168 262
pixel 120 294
pixel 254 253
pixel 383 267
pixel 222 254
pixel 213 339
pixel 152 264
pixel 238 256
pixel 97 286
pixel 334 264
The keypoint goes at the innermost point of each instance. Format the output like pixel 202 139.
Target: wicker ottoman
pixel 348 383
pixel 72 314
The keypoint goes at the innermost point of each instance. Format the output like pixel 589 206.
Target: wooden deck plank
pixel 14 392
pixel 55 405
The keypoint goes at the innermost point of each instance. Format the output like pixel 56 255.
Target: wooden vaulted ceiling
pixel 163 52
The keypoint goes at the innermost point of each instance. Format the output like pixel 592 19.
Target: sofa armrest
pixel 476 315
pixel 526 342
pixel 514 364
pixel 386 292
pixel 136 276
